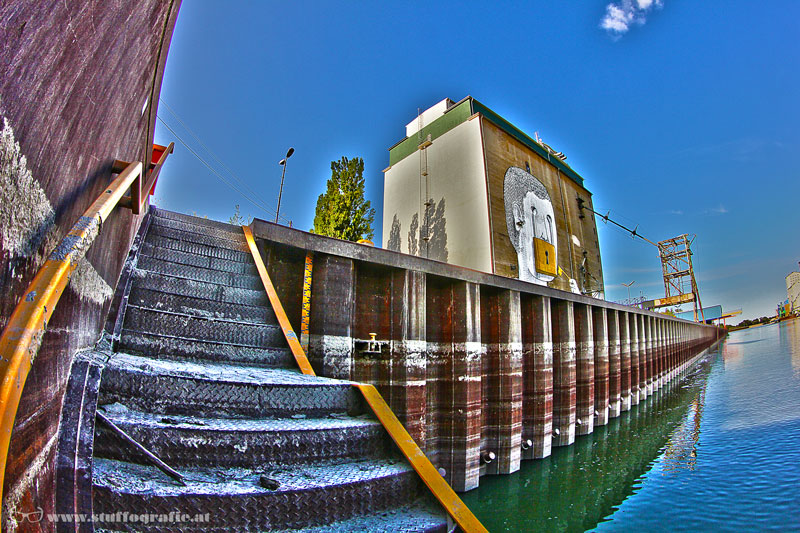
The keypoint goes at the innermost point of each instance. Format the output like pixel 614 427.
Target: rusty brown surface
pixel 74 77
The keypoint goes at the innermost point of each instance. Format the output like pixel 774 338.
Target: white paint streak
pixel 27 220
pixel 14 496
pixel 26 216
pixel 88 284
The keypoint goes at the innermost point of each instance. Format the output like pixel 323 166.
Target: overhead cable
pixel 246 196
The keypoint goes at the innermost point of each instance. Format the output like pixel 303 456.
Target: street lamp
pixel 282 163
pixel 629 290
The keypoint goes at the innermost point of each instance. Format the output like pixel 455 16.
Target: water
pixel 719 451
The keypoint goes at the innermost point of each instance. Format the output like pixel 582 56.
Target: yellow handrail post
pixel 25 330
pixel 283 320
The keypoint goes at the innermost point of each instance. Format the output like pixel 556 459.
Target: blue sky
pixel 681 116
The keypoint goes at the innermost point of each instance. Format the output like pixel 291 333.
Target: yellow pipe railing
pixel 22 336
pixel 283 320
pixel 446 496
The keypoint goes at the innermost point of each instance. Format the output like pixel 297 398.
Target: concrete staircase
pixel 202 377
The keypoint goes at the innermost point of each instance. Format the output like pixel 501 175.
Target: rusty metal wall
pixel 78 84
pixel 483 370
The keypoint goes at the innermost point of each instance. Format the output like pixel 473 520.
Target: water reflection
pixel 791 332
pixel 580 485
pixel 681 452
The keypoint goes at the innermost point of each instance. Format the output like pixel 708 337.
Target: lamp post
pixel 629 290
pixel 282 163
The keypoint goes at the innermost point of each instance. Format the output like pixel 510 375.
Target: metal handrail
pixel 22 336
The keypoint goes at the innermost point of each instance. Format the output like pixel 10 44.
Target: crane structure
pixel 680 285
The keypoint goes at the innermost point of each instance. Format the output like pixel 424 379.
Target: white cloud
pixel 623 14
pixel 719 210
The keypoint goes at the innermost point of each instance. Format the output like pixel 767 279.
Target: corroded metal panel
pixel 633 331
pixel 537 376
pixel 584 361
pixel 625 361
pixel 614 365
pixel 331 342
pixel 601 365
pixel 501 380
pixel 564 373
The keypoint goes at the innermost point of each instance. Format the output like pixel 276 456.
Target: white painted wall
pixel 793 290
pixel 457 176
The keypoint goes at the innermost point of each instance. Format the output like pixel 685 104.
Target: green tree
pixel 237 219
pixel 342 211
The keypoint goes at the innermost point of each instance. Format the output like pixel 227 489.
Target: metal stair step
pixel 235 500
pixel 168 323
pixel 197 260
pixel 178 270
pixel 197 238
pixel 422 516
pixel 180 348
pixel 160 213
pixel 219 230
pixel 222 390
pixel 201 307
pixel 198 441
pixel 175 243
pixel 154 281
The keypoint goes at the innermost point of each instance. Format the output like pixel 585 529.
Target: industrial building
pixel 793 291
pixel 467 187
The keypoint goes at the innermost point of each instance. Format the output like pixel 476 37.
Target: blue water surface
pixel 718 450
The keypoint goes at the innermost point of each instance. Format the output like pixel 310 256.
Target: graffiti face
pixel 531 222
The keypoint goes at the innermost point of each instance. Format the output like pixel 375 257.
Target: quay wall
pixel 483 370
pixel 79 87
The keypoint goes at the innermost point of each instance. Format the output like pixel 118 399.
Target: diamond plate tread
pixel 175 243
pixel 232 233
pixel 197 260
pixel 244 281
pixel 197 441
pixel 179 348
pixel 421 516
pixel 212 390
pixel 196 238
pixel 235 501
pixel 201 307
pixel 160 213
pixel 169 324
pixel 198 289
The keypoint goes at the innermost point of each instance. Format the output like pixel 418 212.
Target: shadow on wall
pixel 413 249
pixel 437 231
pixel 394 236
pixel 430 240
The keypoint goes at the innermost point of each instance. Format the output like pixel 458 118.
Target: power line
pixel 209 151
pixel 246 196
pixel 634 232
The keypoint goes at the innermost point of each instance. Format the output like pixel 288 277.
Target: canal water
pixel 717 451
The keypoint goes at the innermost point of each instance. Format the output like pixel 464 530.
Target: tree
pixel 342 211
pixel 237 219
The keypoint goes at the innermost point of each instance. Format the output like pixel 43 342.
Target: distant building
pixel 793 291
pixel 467 187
